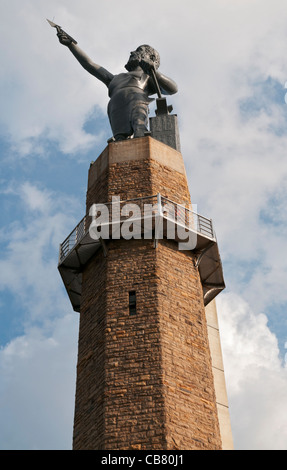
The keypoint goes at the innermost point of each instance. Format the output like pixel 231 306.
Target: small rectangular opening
pixel 132 302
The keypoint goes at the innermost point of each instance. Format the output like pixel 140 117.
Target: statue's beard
pixel 133 62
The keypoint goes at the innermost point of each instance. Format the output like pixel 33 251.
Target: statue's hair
pixel 152 52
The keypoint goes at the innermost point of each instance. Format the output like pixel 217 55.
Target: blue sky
pixel 229 61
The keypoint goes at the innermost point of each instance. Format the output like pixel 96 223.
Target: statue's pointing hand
pixel 64 39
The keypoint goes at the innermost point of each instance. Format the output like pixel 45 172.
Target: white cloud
pixel 44 93
pixel 35 199
pixel 29 260
pixel 37 368
pixel 38 386
pixel 256 378
pixel 48 92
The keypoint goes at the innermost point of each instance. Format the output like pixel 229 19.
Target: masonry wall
pixel 89 419
pixel 137 168
pixel 135 413
pixel 144 381
pixel 191 413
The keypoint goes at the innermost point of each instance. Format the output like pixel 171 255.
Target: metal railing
pixel 139 208
pixel 73 239
pixel 187 217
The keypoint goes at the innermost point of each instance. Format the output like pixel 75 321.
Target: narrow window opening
pixel 132 302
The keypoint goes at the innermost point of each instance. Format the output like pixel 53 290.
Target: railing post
pixel 198 221
pixel 159 206
pixel 158 219
pixel 60 253
pixel 211 228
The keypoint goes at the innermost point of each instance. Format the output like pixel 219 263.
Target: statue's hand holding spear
pixel 148 67
pixel 64 37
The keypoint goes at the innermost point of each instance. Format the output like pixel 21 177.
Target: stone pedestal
pixel 164 128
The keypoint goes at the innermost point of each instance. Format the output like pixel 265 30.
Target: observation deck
pixel 154 217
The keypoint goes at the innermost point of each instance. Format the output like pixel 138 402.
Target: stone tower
pixel 149 373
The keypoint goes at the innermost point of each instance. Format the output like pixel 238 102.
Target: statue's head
pixel 141 53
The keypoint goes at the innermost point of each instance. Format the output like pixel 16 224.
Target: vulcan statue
pixel 129 92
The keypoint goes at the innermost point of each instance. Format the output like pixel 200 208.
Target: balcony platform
pixel 156 218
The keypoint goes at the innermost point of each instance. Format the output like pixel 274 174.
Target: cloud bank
pixel 228 59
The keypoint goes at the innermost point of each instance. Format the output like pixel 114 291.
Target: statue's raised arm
pixel 99 72
pixel 130 91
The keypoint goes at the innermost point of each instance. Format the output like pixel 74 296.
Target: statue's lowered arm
pixel 161 83
pixel 166 84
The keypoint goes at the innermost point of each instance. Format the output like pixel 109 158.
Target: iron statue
pixel 130 91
